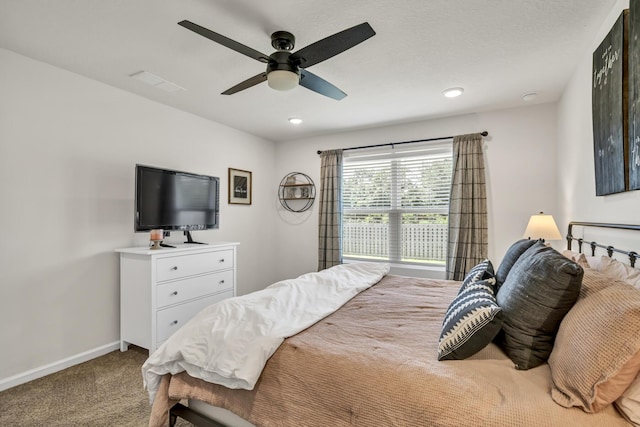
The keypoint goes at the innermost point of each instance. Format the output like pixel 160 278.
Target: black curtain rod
pixel 483 133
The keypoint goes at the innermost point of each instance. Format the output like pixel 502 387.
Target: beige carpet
pixel 106 391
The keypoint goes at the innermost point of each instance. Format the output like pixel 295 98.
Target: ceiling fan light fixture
pixel 452 92
pixel 285 70
pixel 282 79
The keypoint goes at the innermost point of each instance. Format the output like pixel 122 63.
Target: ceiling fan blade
pixel 225 41
pixel 246 84
pixel 332 45
pixel 319 85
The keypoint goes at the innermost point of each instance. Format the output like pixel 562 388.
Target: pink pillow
pixel 629 403
pixel 582 259
pixel 619 270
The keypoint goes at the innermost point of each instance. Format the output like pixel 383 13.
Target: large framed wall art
pixel 633 152
pixel 609 107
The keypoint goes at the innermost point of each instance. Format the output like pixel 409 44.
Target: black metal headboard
pixel 633 256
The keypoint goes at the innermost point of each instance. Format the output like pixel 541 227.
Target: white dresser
pixel 160 290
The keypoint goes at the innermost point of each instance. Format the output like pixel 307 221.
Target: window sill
pixel 410 270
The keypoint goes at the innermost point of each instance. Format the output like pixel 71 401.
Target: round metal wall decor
pixel 297 192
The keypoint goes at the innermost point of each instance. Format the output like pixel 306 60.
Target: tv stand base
pixel 190 240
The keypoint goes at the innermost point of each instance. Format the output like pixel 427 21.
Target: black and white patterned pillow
pixel 472 321
pixel 482 271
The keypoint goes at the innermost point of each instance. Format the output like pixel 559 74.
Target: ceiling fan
pixel 285 70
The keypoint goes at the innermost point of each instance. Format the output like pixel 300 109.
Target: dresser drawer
pixel 171 319
pixel 193 264
pixel 193 287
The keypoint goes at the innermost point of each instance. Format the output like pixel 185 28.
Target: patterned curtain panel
pixel 329 239
pixel 468 235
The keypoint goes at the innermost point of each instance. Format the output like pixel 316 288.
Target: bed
pixel 374 361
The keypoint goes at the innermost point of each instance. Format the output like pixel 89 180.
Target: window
pixel 396 204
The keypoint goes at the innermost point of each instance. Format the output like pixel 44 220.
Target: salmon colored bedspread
pixel 373 363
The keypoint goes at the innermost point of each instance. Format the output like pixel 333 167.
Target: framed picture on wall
pixel 239 187
pixel 633 151
pixel 609 109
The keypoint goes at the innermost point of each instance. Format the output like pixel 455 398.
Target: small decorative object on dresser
pixel 156 237
pixel 239 187
pixel 161 290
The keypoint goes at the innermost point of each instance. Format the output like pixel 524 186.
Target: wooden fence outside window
pixel 421 243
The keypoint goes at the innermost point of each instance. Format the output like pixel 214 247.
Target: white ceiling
pixel 498 50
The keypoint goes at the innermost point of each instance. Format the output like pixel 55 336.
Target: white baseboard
pixel 6 383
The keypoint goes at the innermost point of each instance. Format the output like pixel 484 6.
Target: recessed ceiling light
pixel 452 92
pixel 295 120
pixel 529 96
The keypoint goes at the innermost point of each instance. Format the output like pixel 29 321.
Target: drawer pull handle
pixel 221 260
pixel 174 293
pixel 174 268
pixel 175 322
pixel 221 282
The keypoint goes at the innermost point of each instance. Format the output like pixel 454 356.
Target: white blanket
pixel 229 342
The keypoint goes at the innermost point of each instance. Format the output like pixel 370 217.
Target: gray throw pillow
pixel 510 257
pixel 540 289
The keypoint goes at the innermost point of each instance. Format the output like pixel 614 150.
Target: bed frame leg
pixel 179 410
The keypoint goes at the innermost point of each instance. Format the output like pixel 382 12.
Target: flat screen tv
pixel 173 200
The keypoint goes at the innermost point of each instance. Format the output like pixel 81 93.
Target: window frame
pixel 395 211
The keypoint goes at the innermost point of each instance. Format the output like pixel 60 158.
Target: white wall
pixel 68 146
pixel 521 174
pixel 576 176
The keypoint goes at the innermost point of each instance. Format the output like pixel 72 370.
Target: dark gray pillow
pixel 513 253
pixel 540 289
